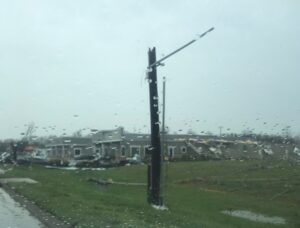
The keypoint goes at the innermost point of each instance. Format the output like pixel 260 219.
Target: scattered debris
pixel 5 157
pixel 73 168
pixel 110 181
pixel 196 180
pixel 129 183
pixel 161 208
pixel 297 151
pixel 254 216
pixel 99 181
pixel 268 151
pixel 280 194
pixel 212 149
pixel 17 180
pixel 64 168
pixel 94 169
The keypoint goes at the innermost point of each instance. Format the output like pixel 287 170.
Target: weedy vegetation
pixel 195 194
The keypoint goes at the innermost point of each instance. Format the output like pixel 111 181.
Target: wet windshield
pixel 149 113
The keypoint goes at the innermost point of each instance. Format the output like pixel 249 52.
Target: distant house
pixel 113 144
pixel 65 149
pixel 117 145
pixel 120 145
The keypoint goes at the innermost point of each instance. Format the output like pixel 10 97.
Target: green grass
pixel 195 193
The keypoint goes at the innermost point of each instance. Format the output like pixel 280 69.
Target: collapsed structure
pixel 118 146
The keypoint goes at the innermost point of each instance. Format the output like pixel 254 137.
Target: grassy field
pixel 196 193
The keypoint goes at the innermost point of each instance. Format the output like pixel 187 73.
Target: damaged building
pixel 117 146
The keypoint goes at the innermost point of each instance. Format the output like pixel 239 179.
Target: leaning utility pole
pixel 154 166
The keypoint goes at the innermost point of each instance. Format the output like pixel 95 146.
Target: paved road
pixel 12 215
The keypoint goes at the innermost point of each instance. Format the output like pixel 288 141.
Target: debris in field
pixel 74 168
pixel 281 193
pixel 268 151
pixel 99 181
pixel 93 169
pixel 110 181
pixel 17 180
pixel 196 180
pixel 161 208
pixel 254 216
pixel 212 149
pixel 64 168
pixel 297 151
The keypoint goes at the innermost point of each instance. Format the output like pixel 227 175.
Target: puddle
pixel 13 215
pixel 254 216
pixel 17 180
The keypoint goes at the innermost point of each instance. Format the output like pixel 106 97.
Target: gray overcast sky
pixel 88 58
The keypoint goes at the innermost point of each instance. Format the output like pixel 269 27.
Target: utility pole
pixel 163 142
pixel 154 166
pixel 163 135
pixel 220 130
pixel 14 149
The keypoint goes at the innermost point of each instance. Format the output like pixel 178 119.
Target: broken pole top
pixel 159 62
